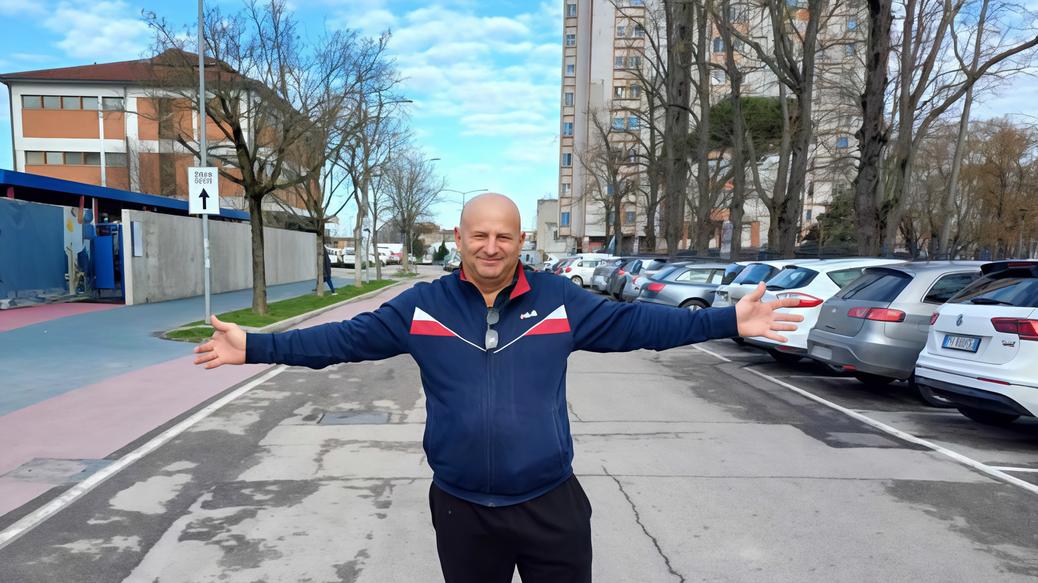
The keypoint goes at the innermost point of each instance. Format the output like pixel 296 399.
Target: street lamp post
pixel 465 193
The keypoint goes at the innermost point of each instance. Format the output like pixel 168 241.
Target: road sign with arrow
pixel 203 191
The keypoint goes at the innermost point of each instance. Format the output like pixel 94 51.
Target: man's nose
pixel 491 248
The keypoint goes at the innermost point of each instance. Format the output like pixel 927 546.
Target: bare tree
pixel 610 165
pixel 412 188
pixel 680 21
pixel 266 100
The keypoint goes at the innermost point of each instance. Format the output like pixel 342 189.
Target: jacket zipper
pixel 487 421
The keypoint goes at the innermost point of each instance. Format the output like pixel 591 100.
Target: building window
pixel 632 122
pixel 115 159
pixel 636 91
pixel 567 128
pixel 718 44
pixel 34 159
pixel 634 62
pixel 639 31
pixel 618 62
pixel 619 92
pixel 32 102
pixel 51 102
pixel 71 103
pixel 852 23
pixel 618 123
pixel 632 155
pixel 567 160
pixel 842 142
pixel 570 70
pixel 621 31
pixel 112 103
pixel 54 158
pixel 571 40
pixel 717 77
pixel 564 221
pixel 74 158
pixel 566 186
pixel 568 99
pixel 571 10
pixel 94 159
pixel 808 214
pixel 90 103
pixel 629 217
pixel 636 2
pixel 850 49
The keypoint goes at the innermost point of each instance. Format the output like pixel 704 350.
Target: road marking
pixel 968 461
pixel 1022 470
pixel 38 516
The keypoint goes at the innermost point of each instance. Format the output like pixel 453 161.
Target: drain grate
pixel 353 418
pixel 56 471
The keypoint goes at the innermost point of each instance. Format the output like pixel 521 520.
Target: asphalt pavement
pixel 702 464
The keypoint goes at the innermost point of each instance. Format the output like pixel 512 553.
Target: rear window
pixel 876 286
pixel 948 286
pixel 653 264
pixel 754 273
pixel 1001 289
pixel 845 276
pixel 665 272
pixel 731 272
pixel 695 276
pixel 792 278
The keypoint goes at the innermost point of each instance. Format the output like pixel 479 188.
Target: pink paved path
pixel 96 420
pixel 20 317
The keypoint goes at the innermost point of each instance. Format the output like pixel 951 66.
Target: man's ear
pixel 457 237
pixel 522 238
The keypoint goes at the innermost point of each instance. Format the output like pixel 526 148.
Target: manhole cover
pixel 56 471
pixel 353 418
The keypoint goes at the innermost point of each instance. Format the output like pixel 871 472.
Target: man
pixel 491 342
pixel 328 271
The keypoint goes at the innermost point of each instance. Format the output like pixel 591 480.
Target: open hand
pixel 227 346
pixel 757 318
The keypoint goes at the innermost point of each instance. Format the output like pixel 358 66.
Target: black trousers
pixel 547 538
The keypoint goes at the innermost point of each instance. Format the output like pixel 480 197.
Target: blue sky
pixel 484 75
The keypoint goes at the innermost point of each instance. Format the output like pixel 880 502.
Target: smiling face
pixel 490 238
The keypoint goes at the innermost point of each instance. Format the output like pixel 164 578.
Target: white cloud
pixel 103 31
pixel 20 7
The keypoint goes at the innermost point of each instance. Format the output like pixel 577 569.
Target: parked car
pixel 982 350
pixel 580 270
pixel 557 269
pixel 746 280
pixel 602 273
pixel 875 327
pixel 812 282
pixel 452 261
pixel 618 278
pixel 688 286
pixel 639 273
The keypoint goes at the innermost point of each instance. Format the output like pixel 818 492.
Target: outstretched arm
pixel 600 325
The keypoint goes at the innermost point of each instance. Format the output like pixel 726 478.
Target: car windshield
pixel 754 273
pixel 791 278
pixel 1001 289
pixel 666 272
pixel 731 272
pixel 876 286
pixel 653 264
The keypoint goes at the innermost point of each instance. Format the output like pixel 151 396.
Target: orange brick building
pixel 103 124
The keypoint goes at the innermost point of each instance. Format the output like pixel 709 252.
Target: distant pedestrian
pixel 492 343
pixel 328 272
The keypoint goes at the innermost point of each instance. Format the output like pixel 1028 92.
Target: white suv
pixel 812 282
pixel 982 350
pixel 583 268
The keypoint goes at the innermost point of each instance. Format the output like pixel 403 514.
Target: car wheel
pixel 988 417
pixel 693 305
pixel 784 357
pixel 873 379
pixel 576 279
pixel 926 395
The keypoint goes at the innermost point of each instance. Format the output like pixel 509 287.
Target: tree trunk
pixel 705 191
pixel 680 19
pixel 736 208
pixel 373 241
pixel 321 254
pixel 259 273
pixel 873 135
pixel 405 255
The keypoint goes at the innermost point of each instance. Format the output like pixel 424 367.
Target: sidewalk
pixel 96 418
pixel 49 358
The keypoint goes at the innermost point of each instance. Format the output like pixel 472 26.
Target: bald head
pixel 491 204
pixel 490 237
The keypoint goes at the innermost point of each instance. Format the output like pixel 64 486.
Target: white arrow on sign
pixel 202 185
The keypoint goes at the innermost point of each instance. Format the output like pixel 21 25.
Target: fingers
pixel 784 303
pixel 776 337
pixel 219 324
pixel 783 327
pixel 213 364
pixel 205 347
pixel 207 357
pixel 756 294
pixel 784 317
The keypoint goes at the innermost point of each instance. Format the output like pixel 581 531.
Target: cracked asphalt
pixel 697 470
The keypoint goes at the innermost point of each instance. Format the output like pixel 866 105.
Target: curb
pixel 286 324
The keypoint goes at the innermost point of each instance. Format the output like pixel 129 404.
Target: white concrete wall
pixel 170 266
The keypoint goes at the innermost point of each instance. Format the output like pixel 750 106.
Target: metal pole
pixel 202 155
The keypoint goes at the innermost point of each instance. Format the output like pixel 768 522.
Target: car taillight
pixel 933 318
pixel 621 272
pixel 655 287
pixel 877 314
pixel 806 301
pixel 1025 329
pixel 569 269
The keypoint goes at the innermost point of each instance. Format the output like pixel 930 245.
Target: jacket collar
pixel 519 283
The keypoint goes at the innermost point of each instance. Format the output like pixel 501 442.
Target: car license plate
pixel 822 352
pixel 966 343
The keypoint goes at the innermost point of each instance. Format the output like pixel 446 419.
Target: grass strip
pixel 276 311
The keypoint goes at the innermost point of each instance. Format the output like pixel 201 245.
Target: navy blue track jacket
pixel 497 431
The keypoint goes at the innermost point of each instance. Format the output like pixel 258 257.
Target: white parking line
pixel 1021 470
pixel 968 461
pixel 38 516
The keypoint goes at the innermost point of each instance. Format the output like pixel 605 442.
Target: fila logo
pixel 530 314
